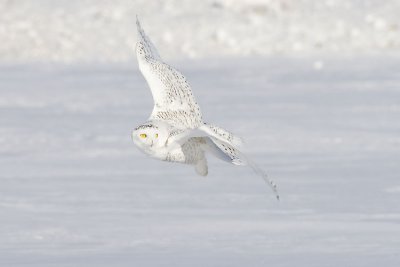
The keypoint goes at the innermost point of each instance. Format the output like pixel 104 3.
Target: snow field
pixel 76 192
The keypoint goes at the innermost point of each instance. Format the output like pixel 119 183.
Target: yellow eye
pixel 157 135
pixel 143 135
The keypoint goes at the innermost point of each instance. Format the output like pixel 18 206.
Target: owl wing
pixel 173 98
pixel 206 130
pixel 223 147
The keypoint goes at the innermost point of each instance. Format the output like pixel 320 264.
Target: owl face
pixel 149 136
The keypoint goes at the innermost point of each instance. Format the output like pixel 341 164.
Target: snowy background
pixel 104 30
pixel 312 86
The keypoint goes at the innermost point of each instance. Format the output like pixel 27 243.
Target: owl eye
pixel 143 135
pixel 156 135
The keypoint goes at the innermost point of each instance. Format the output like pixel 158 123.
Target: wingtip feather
pixel 138 23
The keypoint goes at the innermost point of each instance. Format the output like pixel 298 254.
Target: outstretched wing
pixel 221 147
pixel 173 98
pixel 180 136
pixel 239 158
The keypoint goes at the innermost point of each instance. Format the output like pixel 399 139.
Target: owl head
pixel 150 135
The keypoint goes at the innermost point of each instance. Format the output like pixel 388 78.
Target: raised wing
pixel 173 98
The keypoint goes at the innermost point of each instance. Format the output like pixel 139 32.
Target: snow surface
pixel 74 190
pixel 104 30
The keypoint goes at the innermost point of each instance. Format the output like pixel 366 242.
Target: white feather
pixel 173 98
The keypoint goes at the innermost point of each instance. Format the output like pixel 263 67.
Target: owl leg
pixel 201 167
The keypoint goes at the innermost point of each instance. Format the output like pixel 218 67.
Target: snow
pixel 76 192
pixel 101 30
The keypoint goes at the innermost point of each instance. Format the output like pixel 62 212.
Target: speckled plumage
pixel 175 130
pixel 173 98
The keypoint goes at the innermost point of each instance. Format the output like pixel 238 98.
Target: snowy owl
pixel 175 131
